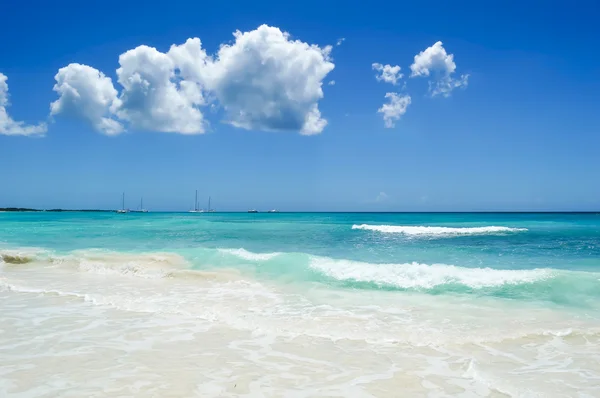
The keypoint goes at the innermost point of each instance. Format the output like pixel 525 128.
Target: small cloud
pixel 382 197
pixel 340 41
pixel 394 109
pixel 445 85
pixel 436 63
pixel 331 83
pixel 387 73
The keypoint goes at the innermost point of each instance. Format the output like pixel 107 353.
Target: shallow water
pixel 306 305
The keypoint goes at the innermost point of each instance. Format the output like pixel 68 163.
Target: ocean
pixel 299 305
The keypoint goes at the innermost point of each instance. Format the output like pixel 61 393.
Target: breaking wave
pixel 20 256
pixel 250 256
pixel 146 265
pixel 579 288
pixel 437 231
pixel 423 276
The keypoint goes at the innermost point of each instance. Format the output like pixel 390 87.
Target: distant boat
pixel 196 210
pixel 273 211
pixel 253 211
pixel 209 209
pixel 123 209
pixel 141 210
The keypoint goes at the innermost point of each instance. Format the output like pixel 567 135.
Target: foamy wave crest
pixel 250 256
pixel 423 276
pixel 422 230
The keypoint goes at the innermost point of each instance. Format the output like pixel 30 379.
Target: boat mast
pixel 142 203
pixel 209 203
pixel 196 203
pixel 123 206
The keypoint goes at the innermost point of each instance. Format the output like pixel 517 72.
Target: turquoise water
pixel 327 304
pixel 548 258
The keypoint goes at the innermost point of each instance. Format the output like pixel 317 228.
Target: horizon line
pixel 58 210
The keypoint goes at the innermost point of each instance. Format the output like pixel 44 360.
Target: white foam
pixel 423 230
pixel 5 286
pixel 250 256
pixel 489 383
pixel 416 275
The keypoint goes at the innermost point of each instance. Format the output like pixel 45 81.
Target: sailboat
pixel 209 209
pixel 141 210
pixel 123 209
pixel 196 210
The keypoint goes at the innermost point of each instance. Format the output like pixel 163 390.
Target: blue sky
pixel 524 134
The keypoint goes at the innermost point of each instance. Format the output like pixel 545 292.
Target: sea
pixel 299 304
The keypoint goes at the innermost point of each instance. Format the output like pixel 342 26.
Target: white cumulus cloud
pixel 436 63
pixel 8 126
pixel 87 93
pixel 264 80
pixel 387 73
pixel 267 81
pixel 340 41
pixel 154 97
pixel 394 109
pixel 331 83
